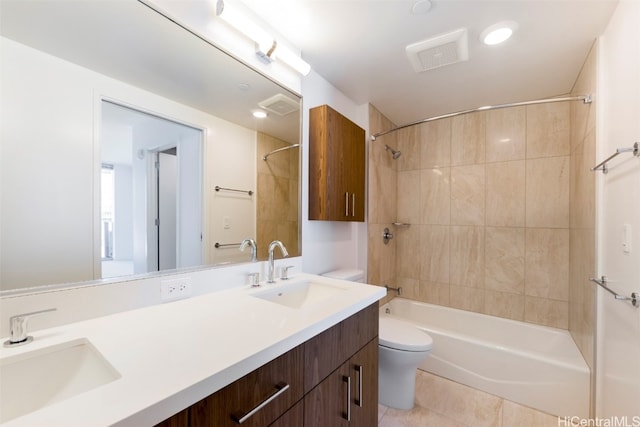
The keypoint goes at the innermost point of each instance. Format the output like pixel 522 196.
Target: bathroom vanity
pixel 330 380
pixel 307 345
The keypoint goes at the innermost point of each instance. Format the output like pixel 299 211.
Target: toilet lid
pixel 401 335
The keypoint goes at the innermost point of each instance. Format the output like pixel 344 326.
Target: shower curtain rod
pixel 289 147
pixel 584 98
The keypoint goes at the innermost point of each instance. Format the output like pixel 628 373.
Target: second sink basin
pixel 300 294
pixel 39 378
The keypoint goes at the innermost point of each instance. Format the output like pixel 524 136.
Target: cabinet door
pixel 292 418
pixel 328 404
pixel 354 174
pixel 336 166
pixel 364 386
pixel 328 350
pixel 265 384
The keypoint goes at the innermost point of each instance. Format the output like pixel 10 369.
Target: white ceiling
pixel 359 46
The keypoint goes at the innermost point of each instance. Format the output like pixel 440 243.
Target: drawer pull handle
pixel 347 416
pixel 280 388
pixel 359 399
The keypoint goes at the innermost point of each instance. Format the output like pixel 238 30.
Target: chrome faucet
pixel 254 248
pixel 272 246
pixel 18 324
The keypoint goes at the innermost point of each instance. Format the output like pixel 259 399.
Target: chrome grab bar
pixel 280 388
pixel 634 298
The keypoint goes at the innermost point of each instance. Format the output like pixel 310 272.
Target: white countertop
pixel 172 355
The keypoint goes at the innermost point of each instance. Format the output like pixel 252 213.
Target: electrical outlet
pixel 173 289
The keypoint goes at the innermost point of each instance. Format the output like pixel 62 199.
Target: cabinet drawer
pixel 273 388
pixel 325 352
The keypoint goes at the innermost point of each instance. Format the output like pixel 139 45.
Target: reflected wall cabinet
pixel 336 166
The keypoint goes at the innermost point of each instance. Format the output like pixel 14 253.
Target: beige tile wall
pixel 582 237
pixel 487 197
pixel 382 201
pixel 277 196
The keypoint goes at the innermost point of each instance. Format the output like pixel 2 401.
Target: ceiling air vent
pixel 280 104
pixel 445 49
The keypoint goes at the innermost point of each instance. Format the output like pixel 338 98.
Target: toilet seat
pixel 400 335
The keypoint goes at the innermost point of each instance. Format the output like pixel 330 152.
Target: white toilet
pixel 402 347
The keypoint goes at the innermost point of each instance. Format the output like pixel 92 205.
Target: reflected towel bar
pixel 603 165
pixel 634 298
pixel 218 188
pixel 226 245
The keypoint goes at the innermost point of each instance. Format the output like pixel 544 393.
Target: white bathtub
pixel 536 366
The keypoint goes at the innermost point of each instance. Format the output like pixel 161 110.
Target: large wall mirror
pixel 128 146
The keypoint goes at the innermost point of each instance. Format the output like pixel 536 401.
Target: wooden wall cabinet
pixel 332 379
pixel 337 159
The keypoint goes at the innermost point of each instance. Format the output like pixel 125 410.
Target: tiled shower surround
pixel 493 204
pixel 487 199
pixel 277 196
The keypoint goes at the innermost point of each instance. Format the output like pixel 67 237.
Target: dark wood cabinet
pixel 364 383
pixel 332 380
pixel 337 159
pixel 278 385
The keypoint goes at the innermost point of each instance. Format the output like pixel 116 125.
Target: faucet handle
pixel 284 273
pixel 18 325
pixel 254 279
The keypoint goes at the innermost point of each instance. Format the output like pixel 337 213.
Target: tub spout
pixel 398 290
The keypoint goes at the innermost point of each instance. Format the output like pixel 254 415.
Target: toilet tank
pixel 351 274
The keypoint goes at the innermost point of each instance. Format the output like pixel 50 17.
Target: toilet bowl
pixel 402 346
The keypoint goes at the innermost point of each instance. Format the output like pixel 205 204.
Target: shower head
pixel 394 153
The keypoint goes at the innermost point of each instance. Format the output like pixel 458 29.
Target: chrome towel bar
pixel 634 298
pixel 218 188
pixel 602 166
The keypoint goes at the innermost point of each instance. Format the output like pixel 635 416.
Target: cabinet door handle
pixel 353 204
pixel 347 380
pixel 346 204
pixel 359 399
pixel 241 418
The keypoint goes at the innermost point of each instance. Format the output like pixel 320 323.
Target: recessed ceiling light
pixel 259 114
pixel 498 33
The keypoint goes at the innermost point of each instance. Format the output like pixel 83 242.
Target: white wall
pixel 328 245
pixel 56 230
pixel 231 162
pixel 618 334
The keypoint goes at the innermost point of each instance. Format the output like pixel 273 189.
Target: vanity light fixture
pixel 267 48
pixel 498 33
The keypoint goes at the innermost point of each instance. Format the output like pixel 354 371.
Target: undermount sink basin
pixel 39 378
pixel 299 295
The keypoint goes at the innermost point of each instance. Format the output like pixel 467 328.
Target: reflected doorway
pixel 151 181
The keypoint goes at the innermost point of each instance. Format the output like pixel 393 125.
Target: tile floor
pixel 444 403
